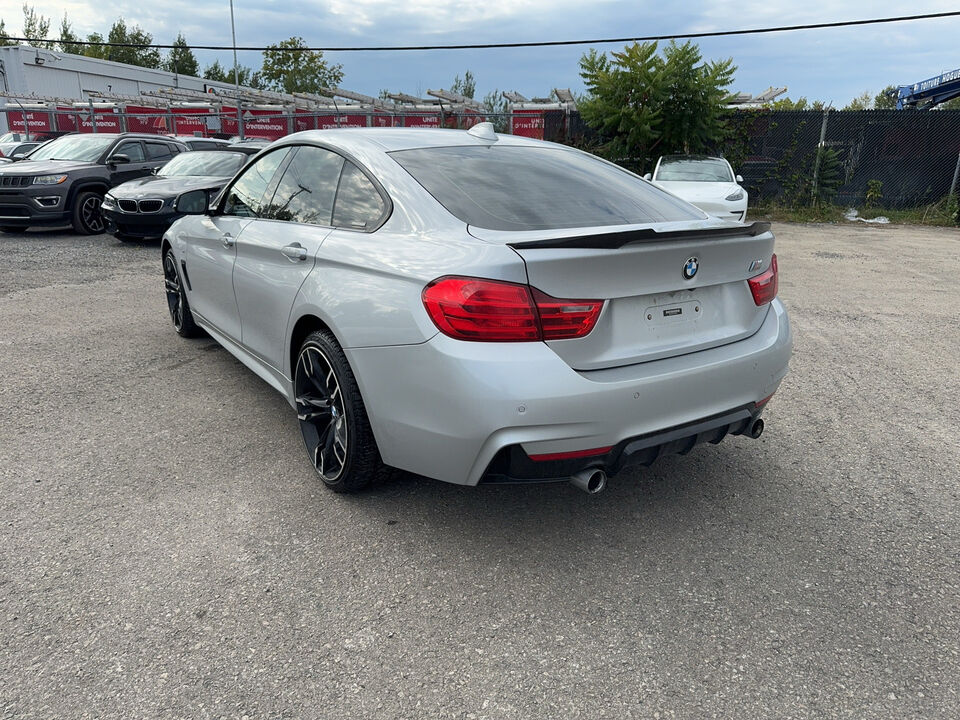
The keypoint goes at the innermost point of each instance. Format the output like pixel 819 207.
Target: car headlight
pixel 49 179
pixel 733 197
pixel 109 199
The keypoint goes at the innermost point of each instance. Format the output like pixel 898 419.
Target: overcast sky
pixel 831 65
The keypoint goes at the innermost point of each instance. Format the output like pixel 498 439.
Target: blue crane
pixel 928 93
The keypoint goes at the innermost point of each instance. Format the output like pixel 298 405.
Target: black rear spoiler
pixel 611 241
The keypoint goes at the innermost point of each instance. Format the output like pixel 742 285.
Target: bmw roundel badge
pixel 690 268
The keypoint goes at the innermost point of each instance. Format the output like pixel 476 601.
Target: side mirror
pixel 118 159
pixel 739 178
pixel 648 177
pixel 194 202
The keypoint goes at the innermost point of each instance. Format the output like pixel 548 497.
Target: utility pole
pixel 236 73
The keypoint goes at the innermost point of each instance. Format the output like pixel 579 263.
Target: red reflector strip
pixel 572 455
pixel 761 403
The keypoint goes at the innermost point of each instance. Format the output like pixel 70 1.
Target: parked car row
pixel 67 180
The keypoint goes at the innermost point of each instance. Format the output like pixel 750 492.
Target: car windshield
pixel 510 187
pixel 686 169
pixel 11 137
pixel 204 162
pixel 86 148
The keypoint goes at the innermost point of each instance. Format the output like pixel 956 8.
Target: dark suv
pixel 64 180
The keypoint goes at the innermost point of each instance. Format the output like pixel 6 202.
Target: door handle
pixel 227 240
pixel 294 252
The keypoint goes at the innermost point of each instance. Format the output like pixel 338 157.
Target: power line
pixel 544 43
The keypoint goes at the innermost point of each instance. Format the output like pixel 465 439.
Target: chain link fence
pixel 895 159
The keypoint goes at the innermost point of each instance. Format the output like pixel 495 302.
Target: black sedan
pixel 145 207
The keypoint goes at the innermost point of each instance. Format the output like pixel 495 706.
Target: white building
pixel 50 74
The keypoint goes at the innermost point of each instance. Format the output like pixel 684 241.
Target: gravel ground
pixel 165 550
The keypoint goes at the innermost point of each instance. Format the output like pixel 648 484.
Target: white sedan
pixel 707 182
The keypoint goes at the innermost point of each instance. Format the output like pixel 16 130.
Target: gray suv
pixel 64 180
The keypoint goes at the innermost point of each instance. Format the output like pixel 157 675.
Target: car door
pixel 137 165
pixel 211 243
pixel 276 252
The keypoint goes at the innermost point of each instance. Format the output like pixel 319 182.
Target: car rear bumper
pixel 449 409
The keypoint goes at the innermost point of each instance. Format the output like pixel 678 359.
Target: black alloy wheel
pixel 333 420
pixel 87 219
pixel 177 299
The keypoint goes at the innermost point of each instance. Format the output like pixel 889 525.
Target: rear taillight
pixel 496 311
pixel 563 319
pixel 764 286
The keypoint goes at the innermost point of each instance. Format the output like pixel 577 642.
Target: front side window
pixel 308 187
pixel 359 206
pixel 513 187
pixel 132 150
pixel 245 197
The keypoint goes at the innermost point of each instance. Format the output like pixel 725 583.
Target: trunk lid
pixel 651 309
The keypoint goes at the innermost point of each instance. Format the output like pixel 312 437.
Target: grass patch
pixel 938 214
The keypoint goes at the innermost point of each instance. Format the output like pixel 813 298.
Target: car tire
pixel 87 219
pixel 177 302
pixel 333 419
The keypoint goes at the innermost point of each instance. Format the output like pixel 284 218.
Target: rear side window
pixel 537 188
pixel 359 206
pixel 308 187
pixel 246 196
pixel 158 151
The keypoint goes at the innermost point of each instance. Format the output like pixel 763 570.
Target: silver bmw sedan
pixel 479 308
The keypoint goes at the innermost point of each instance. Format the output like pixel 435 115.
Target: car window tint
pixel 359 206
pixel 307 189
pixel 158 150
pixel 245 197
pixel 513 187
pixel 132 150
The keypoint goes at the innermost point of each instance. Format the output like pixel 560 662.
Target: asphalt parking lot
pixel 166 552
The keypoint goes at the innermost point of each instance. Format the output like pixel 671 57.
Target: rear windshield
pixel 537 188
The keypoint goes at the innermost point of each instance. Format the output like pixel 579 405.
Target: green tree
pixel 119 33
pixel 215 72
pixel 466 86
pixel 951 104
pixel 788 104
pixel 68 38
pixel 248 77
pixel 181 59
pixel 646 103
pixel 886 99
pixel 863 101
pixel 36 27
pixel 497 108
pixel 4 37
pixel 289 68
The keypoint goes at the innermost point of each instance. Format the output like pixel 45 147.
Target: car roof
pixel 393 139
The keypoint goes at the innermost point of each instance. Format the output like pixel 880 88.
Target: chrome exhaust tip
pixel 590 481
pixel 756 430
